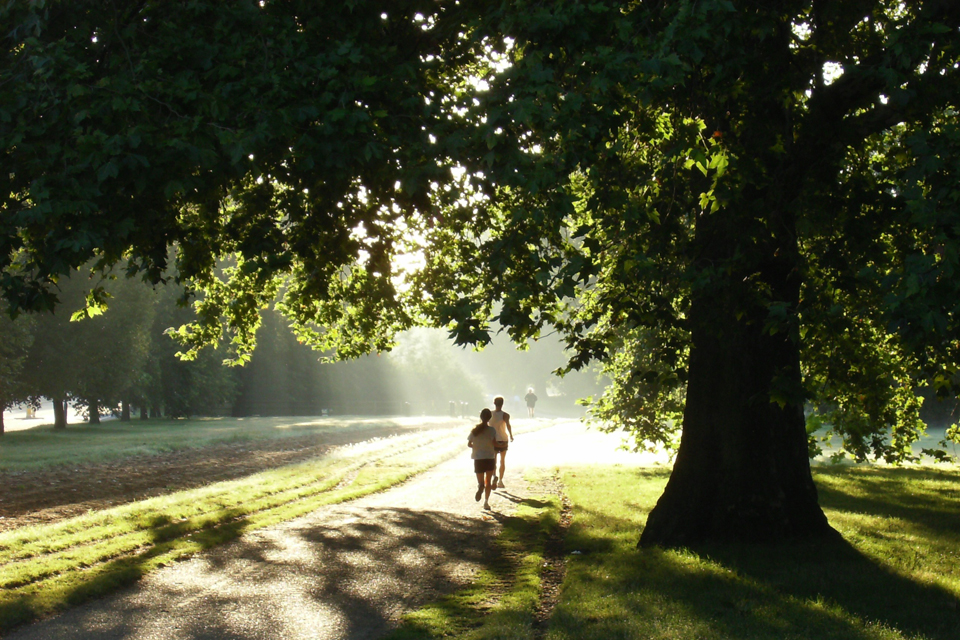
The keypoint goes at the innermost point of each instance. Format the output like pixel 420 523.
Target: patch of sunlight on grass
pixel 894 579
pixel 44 568
pixel 42 447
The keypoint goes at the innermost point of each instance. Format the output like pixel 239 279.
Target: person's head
pixel 498 402
pixel 484 419
pixel 530 390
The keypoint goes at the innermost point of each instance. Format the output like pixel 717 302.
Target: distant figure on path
pixel 500 421
pixel 531 399
pixel 482 439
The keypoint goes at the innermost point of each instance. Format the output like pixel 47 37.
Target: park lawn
pixel 42 447
pixel 46 568
pixel 895 576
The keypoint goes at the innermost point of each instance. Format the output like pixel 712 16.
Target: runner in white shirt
pixel 482 440
pixel 500 421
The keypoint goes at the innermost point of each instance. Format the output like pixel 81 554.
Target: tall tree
pixel 50 369
pixel 157 379
pixel 111 349
pixel 15 339
pixel 754 198
pixel 754 204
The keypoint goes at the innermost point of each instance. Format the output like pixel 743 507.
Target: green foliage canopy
pixel 593 167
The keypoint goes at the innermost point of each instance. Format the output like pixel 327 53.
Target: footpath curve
pixel 343 572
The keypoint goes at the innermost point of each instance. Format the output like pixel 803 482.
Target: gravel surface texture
pixel 342 572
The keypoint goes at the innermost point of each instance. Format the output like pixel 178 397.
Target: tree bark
pixel 94 408
pixel 144 412
pixel 742 472
pixel 124 411
pixel 59 413
pixel 1 422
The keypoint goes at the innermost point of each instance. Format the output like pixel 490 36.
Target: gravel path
pixel 342 572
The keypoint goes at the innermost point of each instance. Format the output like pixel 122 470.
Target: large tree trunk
pixel 94 408
pixel 1 422
pixel 742 472
pixel 124 411
pixel 59 413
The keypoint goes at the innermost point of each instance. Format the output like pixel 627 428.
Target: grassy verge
pixel 42 447
pixel 503 597
pixel 897 576
pixel 46 568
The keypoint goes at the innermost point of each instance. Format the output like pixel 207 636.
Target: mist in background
pixel 424 375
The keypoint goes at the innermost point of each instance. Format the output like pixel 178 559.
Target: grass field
pixel 43 447
pixel 46 568
pixel 896 576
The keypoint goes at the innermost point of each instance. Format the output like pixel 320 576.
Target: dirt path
pixel 343 572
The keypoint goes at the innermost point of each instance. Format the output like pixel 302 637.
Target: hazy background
pixel 423 375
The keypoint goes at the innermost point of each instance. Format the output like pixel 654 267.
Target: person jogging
pixel 500 421
pixel 482 440
pixel 531 399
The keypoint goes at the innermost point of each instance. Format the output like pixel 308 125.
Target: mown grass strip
pixel 158 516
pixel 161 528
pixel 74 577
pixel 171 512
pixel 511 582
pixel 111 442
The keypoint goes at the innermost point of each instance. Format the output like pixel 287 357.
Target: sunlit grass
pixel 42 447
pixel 47 567
pixel 501 601
pixel 898 577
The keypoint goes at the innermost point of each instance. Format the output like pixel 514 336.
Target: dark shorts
pixel 501 446
pixel 484 464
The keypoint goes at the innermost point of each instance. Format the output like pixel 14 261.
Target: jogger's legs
pixel 503 463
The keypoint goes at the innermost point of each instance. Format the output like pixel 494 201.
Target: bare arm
pixel 506 419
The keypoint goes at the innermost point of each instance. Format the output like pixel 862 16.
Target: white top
pixel 482 444
pixel 498 422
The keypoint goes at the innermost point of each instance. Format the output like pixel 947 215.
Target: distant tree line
pixel 117 362
pixel 121 363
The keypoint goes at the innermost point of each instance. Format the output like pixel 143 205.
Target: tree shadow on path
pixel 348 575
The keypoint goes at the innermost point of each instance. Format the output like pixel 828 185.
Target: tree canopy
pixel 741 210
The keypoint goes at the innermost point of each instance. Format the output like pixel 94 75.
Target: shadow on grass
pixel 926 497
pixel 169 541
pixel 751 592
pixel 836 591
